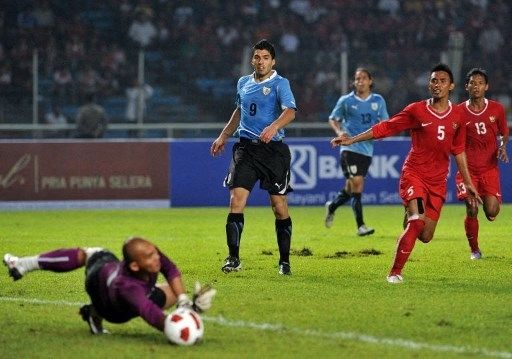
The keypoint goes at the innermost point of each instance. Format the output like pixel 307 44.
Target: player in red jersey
pixel 485 122
pixel 437 130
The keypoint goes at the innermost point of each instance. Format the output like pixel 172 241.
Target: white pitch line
pixel 403 343
pixel 40 301
pixel 365 338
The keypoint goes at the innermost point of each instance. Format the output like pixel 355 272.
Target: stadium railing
pixel 169 130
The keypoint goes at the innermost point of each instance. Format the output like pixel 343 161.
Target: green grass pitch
pixel 336 304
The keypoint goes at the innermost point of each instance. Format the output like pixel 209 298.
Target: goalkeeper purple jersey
pixel 126 297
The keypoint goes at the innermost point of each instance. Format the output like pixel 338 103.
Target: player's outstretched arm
pixel 345 140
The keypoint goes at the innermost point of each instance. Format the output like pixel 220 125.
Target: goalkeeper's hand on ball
pixel 184 301
pixel 203 296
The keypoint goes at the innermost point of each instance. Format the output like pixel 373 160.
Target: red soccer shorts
pixel 433 194
pixel 487 184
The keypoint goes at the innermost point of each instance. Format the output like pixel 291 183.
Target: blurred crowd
pixel 195 48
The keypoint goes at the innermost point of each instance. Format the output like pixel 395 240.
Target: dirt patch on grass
pixel 361 253
pixel 369 252
pixel 340 254
pixel 304 252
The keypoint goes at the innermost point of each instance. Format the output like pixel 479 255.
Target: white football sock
pixel 27 264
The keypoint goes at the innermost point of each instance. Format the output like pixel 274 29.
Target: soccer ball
pixel 184 327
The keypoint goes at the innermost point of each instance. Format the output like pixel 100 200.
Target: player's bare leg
pixel 491 207
pixel 427 233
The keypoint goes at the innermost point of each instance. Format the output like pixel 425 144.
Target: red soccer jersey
pixel 434 136
pixel 482 131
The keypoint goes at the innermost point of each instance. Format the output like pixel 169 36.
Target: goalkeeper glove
pixel 184 301
pixel 203 297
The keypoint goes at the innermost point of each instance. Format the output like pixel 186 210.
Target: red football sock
pixel 471 227
pixel 406 243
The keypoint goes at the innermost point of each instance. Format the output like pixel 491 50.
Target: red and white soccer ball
pixel 184 327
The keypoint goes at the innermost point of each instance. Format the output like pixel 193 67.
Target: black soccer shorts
pixel 354 164
pixel 92 279
pixel 254 160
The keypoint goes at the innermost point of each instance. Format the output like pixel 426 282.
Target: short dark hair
pixel 476 71
pixel 264 44
pixel 445 68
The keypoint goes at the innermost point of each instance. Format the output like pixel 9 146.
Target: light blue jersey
pixel 261 103
pixel 357 115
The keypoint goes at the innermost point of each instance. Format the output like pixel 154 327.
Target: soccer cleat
pixel 365 231
pixel 329 216
pixel 232 264
pixel 395 279
pixel 94 321
pixel 16 270
pixel 284 268
pixel 476 255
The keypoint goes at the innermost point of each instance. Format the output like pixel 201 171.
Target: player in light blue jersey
pixel 264 106
pixel 354 113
